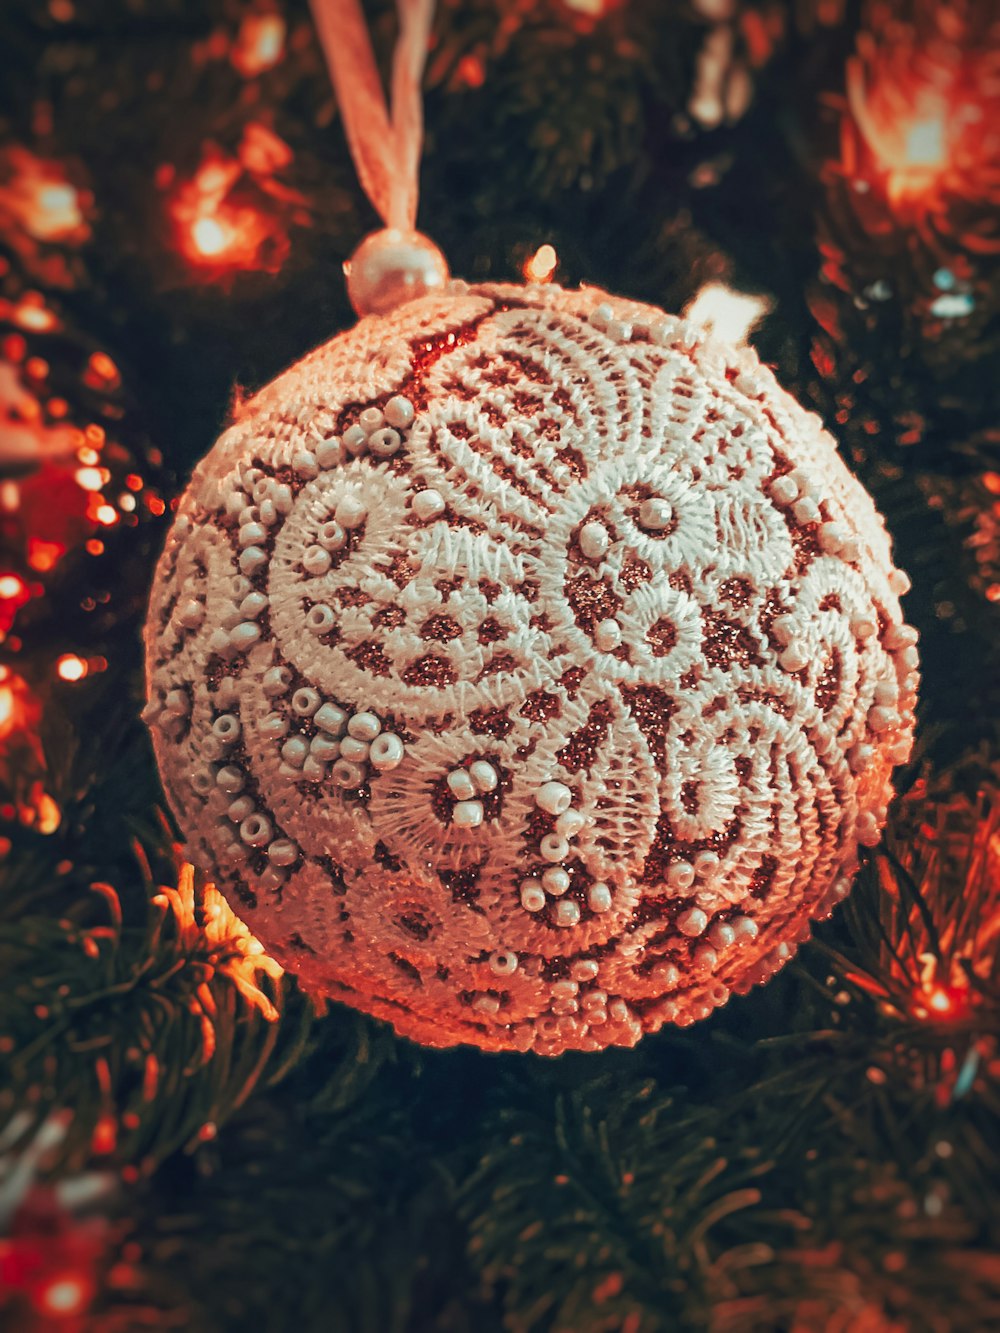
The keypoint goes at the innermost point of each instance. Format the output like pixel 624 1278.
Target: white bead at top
pixel 427 505
pixel 655 514
pixel 594 540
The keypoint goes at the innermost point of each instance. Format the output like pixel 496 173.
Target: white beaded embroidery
pixel 528 669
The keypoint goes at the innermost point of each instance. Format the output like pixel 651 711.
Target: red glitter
pixel 491 630
pixel 370 656
pixel 430 670
pixel 540 706
pixel 634 572
pixel 490 722
pixel 661 637
pixel 441 628
pixel 390 617
pixel 828 682
pixel 572 679
pixel 592 600
pixel 580 750
pixel 652 710
pixel 726 642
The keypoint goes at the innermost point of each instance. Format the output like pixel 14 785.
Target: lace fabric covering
pixel 527 669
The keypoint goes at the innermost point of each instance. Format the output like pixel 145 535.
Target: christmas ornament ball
pixel 527 669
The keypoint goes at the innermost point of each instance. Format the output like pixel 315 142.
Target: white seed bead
pixel 371 419
pixel 783 628
pixel 899 582
pixel 294 751
pixel 256 831
pixel 177 701
pixel 355 440
pixel 705 862
pixel 599 897
pixel 570 822
pixel 859 757
pixel 202 781
pixel 794 658
pixel 218 642
pixel 331 536
pixel 252 559
pixel 532 895
pixel 722 935
pixel 908 658
pixel 868 830
pixel 364 726
pixel 191 614
pixel 553 848
pixel 831 537
pixel 324 748
pixel 692 922
pixel 467 814
pixel 655 514
pixel 618 329
pixel 567 913
pixel 704 958
pixel 486 1004
pixel 484 776
pixel 305 701
pixel 503 963
pixel 282 852
pixel 594 540
pixel 227 728
pixel 399 412
pixel 863 627
pixel 320 619
pixel 305 465
pixel 244 635
pixel 600 314
pixel 555 880
pixel 386 752
pixel 329 452
pixel 886 692
pixel 282 498
pixel 384 443
pixel 460 784
pixel 746 928
pixel 276 680
pixel 240 809
pixel 428 504
pixel 268 513
pixel 553 797
pixel 313 768
pixel 346 774
pixel 350 513
pixel 316 561
pixel 806 510
pixel 784 490
pixel 584 969
pixel 680 875
pixel 883 719
pixel 608 635
pixel 274 725
pixel 851 549
pixel 252 534
pixel 230 779
pixel 271 877
pixel 354 750
pixel 331 719
pixel 900 636
pixel 253 605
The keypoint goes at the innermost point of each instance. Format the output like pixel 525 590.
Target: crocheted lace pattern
pixel 527 668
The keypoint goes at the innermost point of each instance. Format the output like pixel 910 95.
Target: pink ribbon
pixel 384 141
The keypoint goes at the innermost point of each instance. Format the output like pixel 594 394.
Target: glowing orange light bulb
pixel 542 264
pixel 940 1001
pixel 71 667
pixel 210 237
pixel 64 1295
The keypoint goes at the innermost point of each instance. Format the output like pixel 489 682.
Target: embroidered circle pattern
pixel 527 669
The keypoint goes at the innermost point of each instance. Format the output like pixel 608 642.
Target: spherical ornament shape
pixel 389 268
pixel 580 715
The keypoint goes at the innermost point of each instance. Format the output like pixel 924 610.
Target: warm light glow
pixel 106 514
pixel 924 144
pixel 36 194
pixel 64 1295
pixel 729 314
pixel 259 45
pixel 71 667
pixel 43 555
pixel 940 1001
pixel 6 708
pixel 542 264
pixel 10 586
pixel 210 237
pixel 89 478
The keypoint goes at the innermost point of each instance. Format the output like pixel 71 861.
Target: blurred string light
pixel 729 314
pixel 234 213
pixel 38 199
pixel 259 44
pixel 922 117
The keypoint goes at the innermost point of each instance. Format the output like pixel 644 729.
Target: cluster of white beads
pixel 466 786
pixel 555 798
pixel 378 431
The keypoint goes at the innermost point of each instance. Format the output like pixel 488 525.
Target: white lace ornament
pixel 528 669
